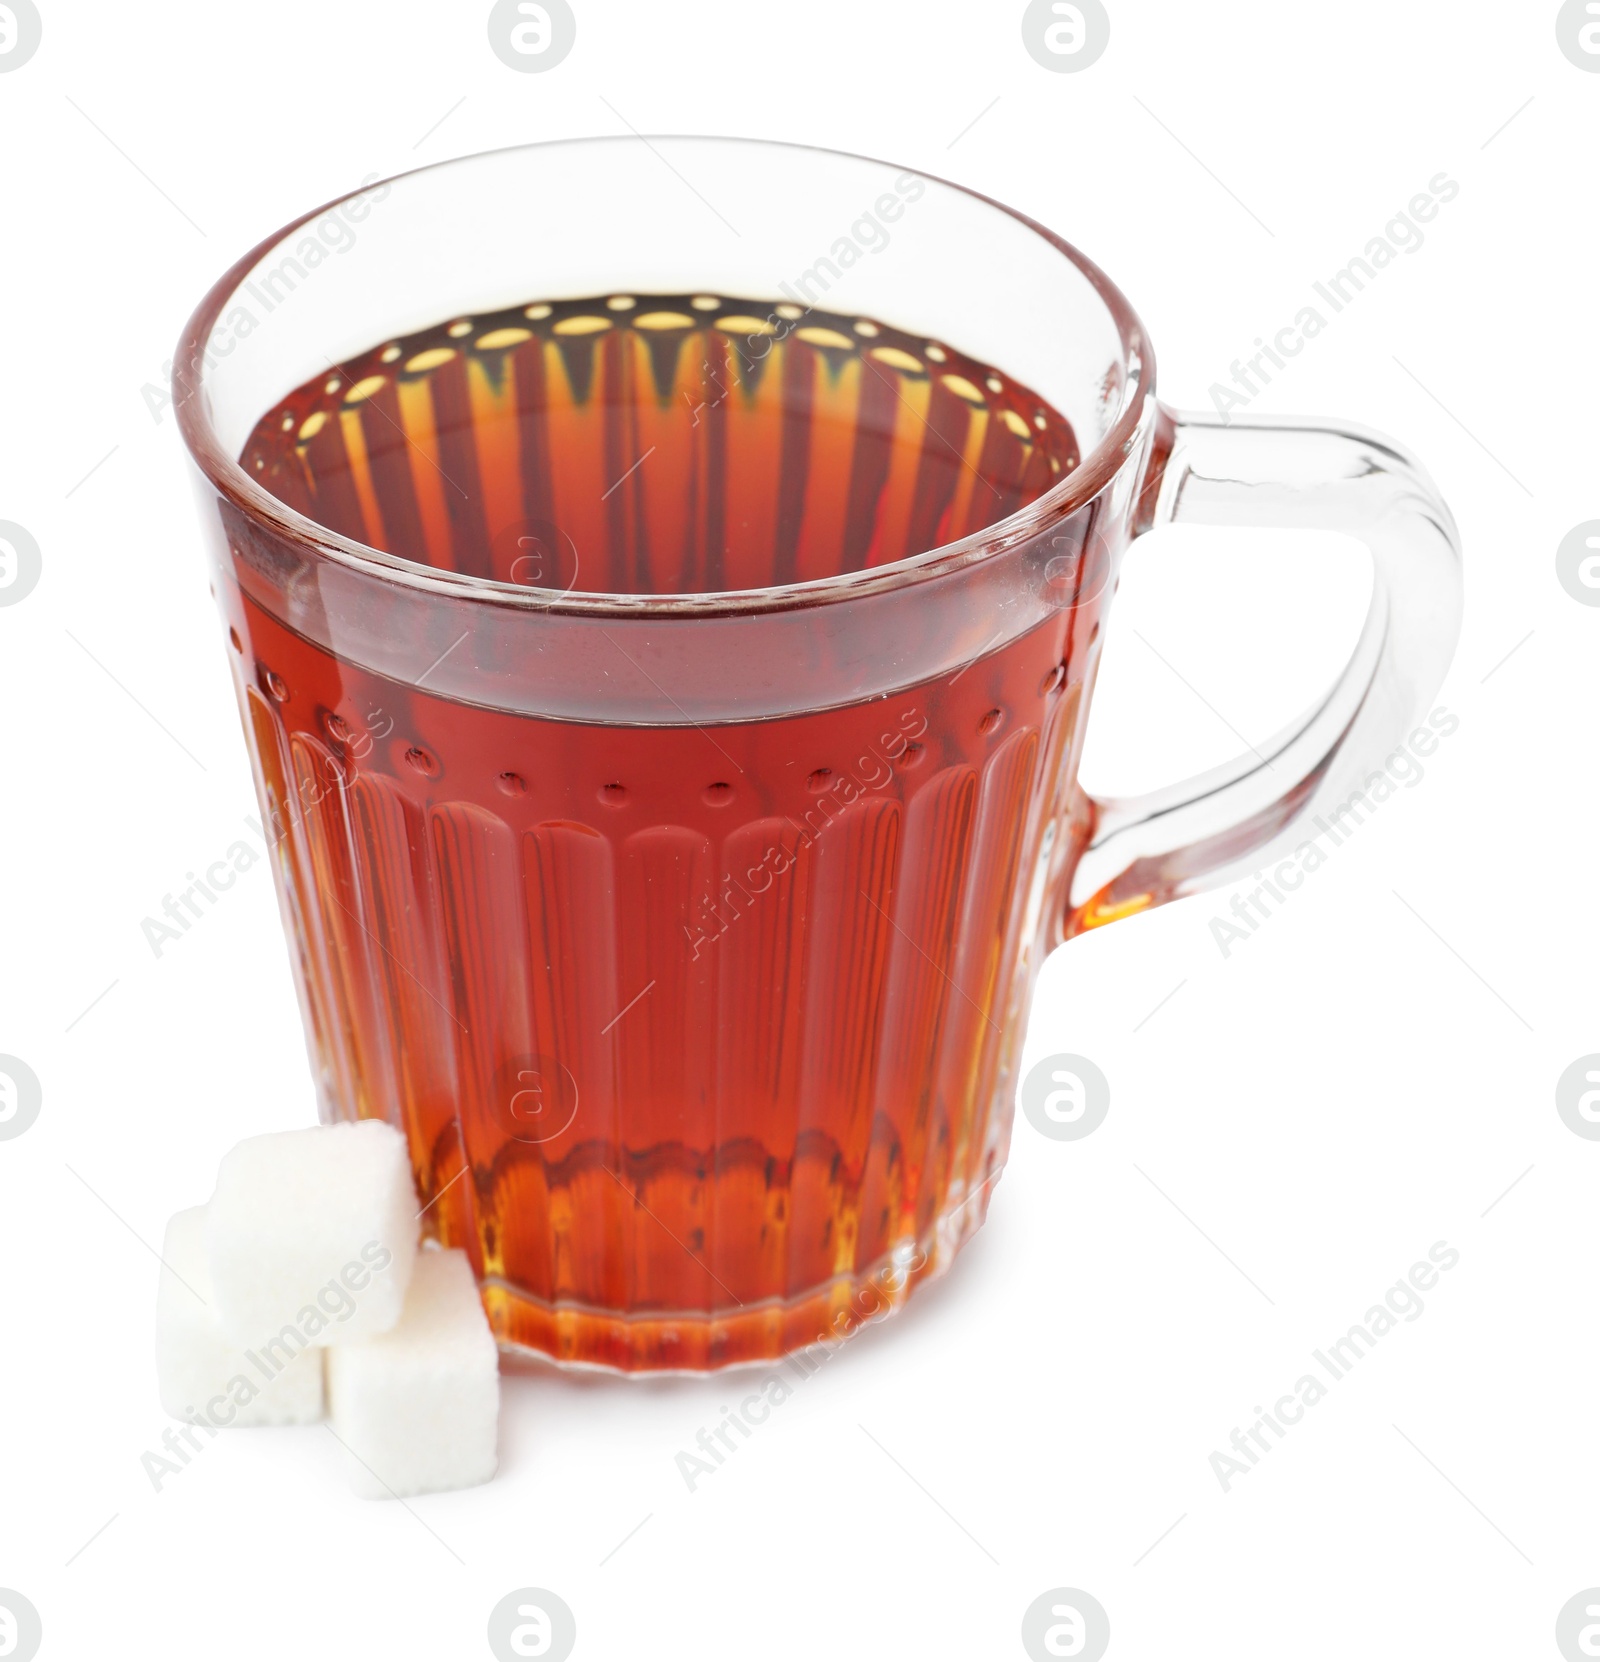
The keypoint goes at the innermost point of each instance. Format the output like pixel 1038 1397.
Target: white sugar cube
pixel 202 1373
pixel 417 1408
pixel 312 1234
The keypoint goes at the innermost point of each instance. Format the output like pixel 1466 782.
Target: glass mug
pixel 664 612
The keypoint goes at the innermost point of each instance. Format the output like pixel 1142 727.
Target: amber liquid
pixel 695 1032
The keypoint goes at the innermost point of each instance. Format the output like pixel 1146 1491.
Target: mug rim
pixel 1079 485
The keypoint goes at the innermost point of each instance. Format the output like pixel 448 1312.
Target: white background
pixel 1289 1131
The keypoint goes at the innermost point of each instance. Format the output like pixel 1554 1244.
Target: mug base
pixel 582 1338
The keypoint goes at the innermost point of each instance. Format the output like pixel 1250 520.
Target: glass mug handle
pixel 1285 474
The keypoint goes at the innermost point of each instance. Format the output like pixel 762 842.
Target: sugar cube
pixel 312 1234
pixel 417 1407
pixel 200 1371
